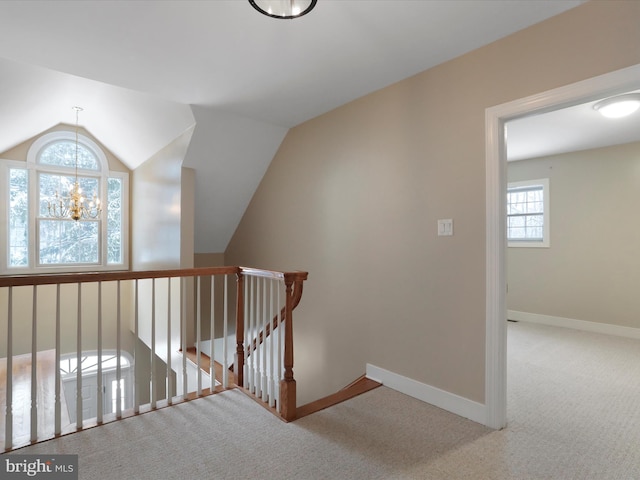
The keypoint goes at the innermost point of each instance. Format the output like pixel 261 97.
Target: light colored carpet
pixel 574 413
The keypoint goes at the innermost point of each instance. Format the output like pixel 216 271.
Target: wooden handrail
pixel 63 278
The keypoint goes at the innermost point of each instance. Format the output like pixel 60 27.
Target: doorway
pixel 89 364
pixel 496 186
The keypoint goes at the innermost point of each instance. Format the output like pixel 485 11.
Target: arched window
pixel 38 238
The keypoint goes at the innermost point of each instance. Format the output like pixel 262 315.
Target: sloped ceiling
pixel 132 125
pixel 144 71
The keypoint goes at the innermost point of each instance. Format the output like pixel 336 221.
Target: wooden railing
pixel 265 368
pixel 78 350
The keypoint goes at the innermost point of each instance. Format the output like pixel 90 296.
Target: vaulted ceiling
pixel 147 71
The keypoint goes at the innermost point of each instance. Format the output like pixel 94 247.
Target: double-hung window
pixel 38 240
pixel 528 213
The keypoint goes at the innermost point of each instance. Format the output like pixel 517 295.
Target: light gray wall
pixel 157 197
pixel 591 271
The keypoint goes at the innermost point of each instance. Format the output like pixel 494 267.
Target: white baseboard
pixel 604 328
pixel 440 398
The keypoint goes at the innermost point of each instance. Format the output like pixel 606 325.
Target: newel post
pixel 288 383
pixel 238 366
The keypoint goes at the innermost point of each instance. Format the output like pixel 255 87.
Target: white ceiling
pixel 146 71
pixel 570 129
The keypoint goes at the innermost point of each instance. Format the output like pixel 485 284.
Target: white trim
pixel 591 89
pixel 586 326
pixel 440 398
pixel 51 137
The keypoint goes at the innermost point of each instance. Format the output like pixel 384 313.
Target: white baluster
pixel 169 371
pixel 34 365
pixel 100 379
pixel 119 392
pixel 183 330
pixel 198 334
pixel 79 360
pixel 212 326
pixel 256 333
pixel 8 426
pixel 58 393
pixel 272 343
pixel 278 372
pixel 254 328
pixel 153 345
pixel 136 311
pixel 247 332
pixel 225 364
pixel 263 346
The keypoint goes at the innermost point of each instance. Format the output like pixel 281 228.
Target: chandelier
pixel 75 205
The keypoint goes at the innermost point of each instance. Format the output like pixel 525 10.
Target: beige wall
pixel 354 195
pixel 212 260
pixel 591 271
pixel 46 315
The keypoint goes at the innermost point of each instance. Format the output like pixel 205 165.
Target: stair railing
pixel 264 341
pixel 121 338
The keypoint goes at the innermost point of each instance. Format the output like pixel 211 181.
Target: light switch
pixel 445 227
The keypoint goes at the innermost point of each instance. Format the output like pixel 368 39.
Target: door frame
pixel 496 117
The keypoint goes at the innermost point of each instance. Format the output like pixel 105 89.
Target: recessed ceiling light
pixel 620 106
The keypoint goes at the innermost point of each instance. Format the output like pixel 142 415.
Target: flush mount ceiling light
pixel 283 8
pixel 620 106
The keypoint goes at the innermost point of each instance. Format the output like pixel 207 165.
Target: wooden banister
pixel 271 381
pixel 293 282
pixel 63 278
pixel 288 383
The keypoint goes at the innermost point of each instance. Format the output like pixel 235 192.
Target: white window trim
pixel 32 167
pixel 52 137
pixel 546 239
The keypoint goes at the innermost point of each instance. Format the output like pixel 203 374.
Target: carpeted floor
pixel 574 413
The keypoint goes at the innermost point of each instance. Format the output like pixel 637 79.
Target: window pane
pixel 516 222
pixel 67 241
pixel 63 153
pixel 525 213
pixel 50 184
pixel 517 234
pixel 534 220
pixel 18 218
pixel 534 234
pixel 114 220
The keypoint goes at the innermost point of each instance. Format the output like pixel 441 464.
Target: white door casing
pixel 496 117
